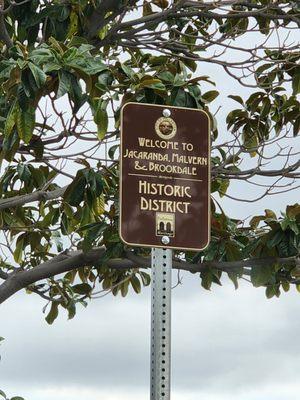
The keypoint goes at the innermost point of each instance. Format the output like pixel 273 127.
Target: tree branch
pixel 3 275
pixel 28 198
pixel 68 261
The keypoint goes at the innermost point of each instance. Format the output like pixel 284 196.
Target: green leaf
pixel 102 123
pixel 210 96
pixel 270 291
pixel 136 284
pixel 26 123
pixel 261 275
pixel 53 313
pixel 11 119
pixel 285 286
pixel 71 309
pixel 39 75
pixel 276 238
pixel 124 288
pixel 232 251
pixel 99 205
pixel 82 288
pixel 75 191
pixel 224 185
pixel 65 83
pixel 146 279
pixel 296 84
pixel 152 83
pixel 87 64
pixel 161 3
pixel 24 172
pixel 128 71
pixel 17 398
pixel 234 278
pixel 2 394
pixel 206 279
pixel 237 98
pixel 112 150
pixel 147 9
pixel 270 214
pixel 18 251
pixel 256 220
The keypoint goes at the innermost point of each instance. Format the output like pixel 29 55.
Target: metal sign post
pixel 161 270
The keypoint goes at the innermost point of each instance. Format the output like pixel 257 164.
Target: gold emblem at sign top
pixel 165 128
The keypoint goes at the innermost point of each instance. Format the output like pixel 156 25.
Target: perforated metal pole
pixel 161 323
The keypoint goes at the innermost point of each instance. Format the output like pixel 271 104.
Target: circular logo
pixel 165 128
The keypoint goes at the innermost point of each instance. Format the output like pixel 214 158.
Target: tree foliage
pixel 66 68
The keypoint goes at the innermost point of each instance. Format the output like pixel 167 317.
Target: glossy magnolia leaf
pixel 224 185
pixel 24 172
pixel 270 291
pixel 124 288
pixel 237 98
pixel 112 151
pixel 296 84
pixel 75 192
pixel 152 83
pixel 147 9
pixel 210 96
pixel 82 288
pixel 145 278
pixel 293 211
pixel 39 75
pixel 18 251
pixel 232 251
pixel 234 279
pixel 99 205
pixel 65 83
pixel 276 238
pixel 128 71
pixel 26 123
pixel 288 246
pixel 285 286
pixel 254 222
pixel 206 279
pixel 11 119
pixel 53 313
pixel 261 275
pixel 102 122
pixel 136 284
pixel 270 214
pixel 71 309
pixel 161 3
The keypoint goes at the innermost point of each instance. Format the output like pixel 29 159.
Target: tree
pixel 67 67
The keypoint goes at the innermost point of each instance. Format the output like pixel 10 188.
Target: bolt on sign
pixel 164 177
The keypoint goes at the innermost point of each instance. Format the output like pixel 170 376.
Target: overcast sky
pixel 226 344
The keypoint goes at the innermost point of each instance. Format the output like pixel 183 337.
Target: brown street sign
pixel 164 177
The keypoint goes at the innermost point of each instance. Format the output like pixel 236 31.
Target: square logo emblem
pixel 165 224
